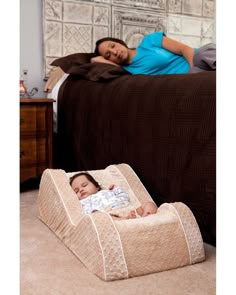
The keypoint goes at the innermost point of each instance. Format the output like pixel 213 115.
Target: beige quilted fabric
pixel 119 249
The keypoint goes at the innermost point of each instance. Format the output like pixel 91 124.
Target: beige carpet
pixel 48 267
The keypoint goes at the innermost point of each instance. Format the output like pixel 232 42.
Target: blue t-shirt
pixel 152 59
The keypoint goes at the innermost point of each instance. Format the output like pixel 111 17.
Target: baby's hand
pixel 111 187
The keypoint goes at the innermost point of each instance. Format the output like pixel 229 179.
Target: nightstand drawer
pixel 36 130
pixel 33 118
pixel 32 151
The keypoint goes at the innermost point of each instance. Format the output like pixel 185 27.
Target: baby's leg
pixel 132 215
pixel 117 217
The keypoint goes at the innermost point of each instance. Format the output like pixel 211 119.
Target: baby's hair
pixel 88 176
pixel 96 51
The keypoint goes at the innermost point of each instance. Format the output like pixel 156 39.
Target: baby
pixel 93 198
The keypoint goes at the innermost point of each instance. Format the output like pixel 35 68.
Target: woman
pixel 156 55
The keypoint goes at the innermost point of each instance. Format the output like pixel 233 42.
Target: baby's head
pixel 84 185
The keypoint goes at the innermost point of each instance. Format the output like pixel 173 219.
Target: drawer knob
pixel 22 153
pixel 22 120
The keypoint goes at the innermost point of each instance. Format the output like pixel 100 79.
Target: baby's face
pixel 83 187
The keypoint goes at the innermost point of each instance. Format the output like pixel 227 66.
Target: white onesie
pixel 105 200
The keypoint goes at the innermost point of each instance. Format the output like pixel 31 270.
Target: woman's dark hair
pixel 96 51
pixel 88 176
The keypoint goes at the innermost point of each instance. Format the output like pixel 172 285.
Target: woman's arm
pixel 179 48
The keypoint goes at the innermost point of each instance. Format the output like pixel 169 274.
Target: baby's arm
pixel 146 209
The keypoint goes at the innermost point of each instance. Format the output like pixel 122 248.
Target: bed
pixel 162 126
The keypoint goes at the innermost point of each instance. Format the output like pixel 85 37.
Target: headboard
pixel 71 26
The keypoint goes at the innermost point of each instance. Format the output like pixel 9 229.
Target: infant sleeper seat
pixel 118 249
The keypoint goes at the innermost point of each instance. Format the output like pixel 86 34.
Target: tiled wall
pixel 74 25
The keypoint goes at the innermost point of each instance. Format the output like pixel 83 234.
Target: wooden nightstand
pixel 36 131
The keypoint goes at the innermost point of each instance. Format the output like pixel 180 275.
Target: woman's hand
pixel 55 75
pixel 101 59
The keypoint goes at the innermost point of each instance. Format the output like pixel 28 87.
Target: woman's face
pixel 114 52
pixel 83 187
